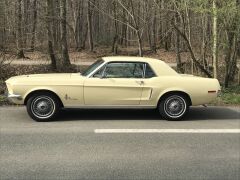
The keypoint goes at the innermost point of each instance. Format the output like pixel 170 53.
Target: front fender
pixel 43 88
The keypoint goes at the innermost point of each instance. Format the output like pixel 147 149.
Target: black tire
pixel 43 106
pixel 173 107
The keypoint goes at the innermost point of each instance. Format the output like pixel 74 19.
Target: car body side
pixel 70 87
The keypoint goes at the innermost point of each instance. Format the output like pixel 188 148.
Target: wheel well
pixel 176 93
pixel 42 91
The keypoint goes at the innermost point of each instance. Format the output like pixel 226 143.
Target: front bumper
pixel 14 98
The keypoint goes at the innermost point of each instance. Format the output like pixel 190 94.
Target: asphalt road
pixel 69 148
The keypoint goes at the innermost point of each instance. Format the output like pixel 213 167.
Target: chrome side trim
pixel 111 107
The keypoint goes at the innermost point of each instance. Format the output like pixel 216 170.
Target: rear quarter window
pixel 149 73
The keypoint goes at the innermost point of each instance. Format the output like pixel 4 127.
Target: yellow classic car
pixel 113 82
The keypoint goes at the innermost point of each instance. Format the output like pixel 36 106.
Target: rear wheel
pixel 43 106
pixel 173 107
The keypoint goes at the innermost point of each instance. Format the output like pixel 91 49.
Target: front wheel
pixel 43 106
pixel 173 107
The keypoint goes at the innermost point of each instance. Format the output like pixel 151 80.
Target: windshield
pixel 92 67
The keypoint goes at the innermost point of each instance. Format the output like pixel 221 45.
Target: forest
pixel 200 37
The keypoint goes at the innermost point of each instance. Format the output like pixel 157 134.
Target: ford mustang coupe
pixel 113 82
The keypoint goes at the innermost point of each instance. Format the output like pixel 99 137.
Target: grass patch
pixel 231 95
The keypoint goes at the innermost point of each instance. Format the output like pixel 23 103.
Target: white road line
pixel 167 131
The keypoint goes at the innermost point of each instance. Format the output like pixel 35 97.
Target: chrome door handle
pixel 140 82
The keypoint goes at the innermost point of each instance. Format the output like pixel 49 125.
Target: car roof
pixel 129 58
pixel 160 67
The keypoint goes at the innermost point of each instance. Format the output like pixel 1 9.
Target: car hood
pixel 53 77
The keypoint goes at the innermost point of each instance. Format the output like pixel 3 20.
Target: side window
pixel 124 70
pixel 149 72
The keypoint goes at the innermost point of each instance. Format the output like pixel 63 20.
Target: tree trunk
pixel 20 53
pixel 85 35
pixel 140 50
pixel 230 57
pixel 215 54
pixel 2 26
pixel 25 27
pixel 178 55
pixel 34 25
pixel 231 52
pixel 77 27
pixel 115 44
pixel 149 37
pixel 154 48
pixel 65 61
pixel 188 21
pixel 50 35
pixel 115 39
pixel 55 13
pixel 204 43
pixel 177 46
pixel 123 38
pixel 89 20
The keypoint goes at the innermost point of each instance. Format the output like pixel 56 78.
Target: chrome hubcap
pixel 43 107
pixel 175 106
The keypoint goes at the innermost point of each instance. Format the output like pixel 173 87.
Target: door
pixel 117 83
